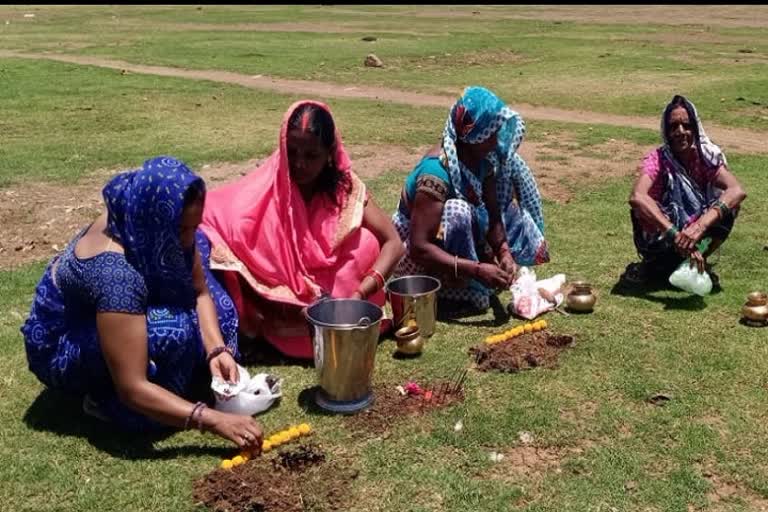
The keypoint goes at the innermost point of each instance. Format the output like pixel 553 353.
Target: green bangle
pixel 724 209
pixel 671 232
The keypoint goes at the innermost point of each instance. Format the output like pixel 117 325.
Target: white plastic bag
pixel 527 300
pixel 689 279
pixel 250 395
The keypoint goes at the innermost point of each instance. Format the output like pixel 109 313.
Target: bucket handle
pixel 364 322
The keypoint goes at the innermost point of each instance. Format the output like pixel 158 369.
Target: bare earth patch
pixel 38 219
pixel 527 465
pixel 391 406
pixel 560 167
pixel 725 491
pixel 264 484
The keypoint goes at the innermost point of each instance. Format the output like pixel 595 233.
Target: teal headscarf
pixel 475 117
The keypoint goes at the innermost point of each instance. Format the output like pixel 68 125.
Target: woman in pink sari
pixel 300 225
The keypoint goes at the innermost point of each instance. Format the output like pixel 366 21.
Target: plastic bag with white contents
pixel 531 298
pixel 689 279
pixel 249 396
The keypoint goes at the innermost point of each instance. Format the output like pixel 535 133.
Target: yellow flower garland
pixel 284 436
pixel 517 331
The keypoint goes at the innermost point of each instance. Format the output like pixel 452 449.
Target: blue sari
pixel 153 277
pixel 474 118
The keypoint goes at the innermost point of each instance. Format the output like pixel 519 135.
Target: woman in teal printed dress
pixel 128 314
pixel 470 212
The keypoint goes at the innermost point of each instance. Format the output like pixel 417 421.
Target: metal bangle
pixel 200 417
pixel 192 414
pixel 217 351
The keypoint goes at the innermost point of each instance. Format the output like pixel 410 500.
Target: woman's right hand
pixel 242 430
pixel 685 241
pixel 493 276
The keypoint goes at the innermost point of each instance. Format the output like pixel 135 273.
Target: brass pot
pixel 409 340
pixel 756 308
pixel 580 299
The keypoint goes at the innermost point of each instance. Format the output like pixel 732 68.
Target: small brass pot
pixel 755 310
pixel 580 299
pixel 409 340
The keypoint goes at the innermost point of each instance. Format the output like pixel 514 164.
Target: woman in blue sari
pixel 684 193
pixel 128 315
pixel 470 212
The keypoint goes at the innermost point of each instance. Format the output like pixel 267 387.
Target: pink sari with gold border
pixel 268 240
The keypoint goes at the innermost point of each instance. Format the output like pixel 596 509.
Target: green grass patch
pixel 63 120
pixel 630 348
pixel 622 69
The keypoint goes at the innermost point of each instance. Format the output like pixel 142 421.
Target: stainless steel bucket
pixel 414 298
pixel 346 334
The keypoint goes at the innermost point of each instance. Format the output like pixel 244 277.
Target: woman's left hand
pixel 224 367
pixel 357 295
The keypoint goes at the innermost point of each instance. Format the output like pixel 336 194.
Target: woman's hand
pixel 224 367
pixel 684 243
pixel 244 431
pixel 690 236
pixel 697 260
pixel 509 266
pixel 493 276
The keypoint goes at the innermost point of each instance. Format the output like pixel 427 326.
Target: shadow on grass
pixel 62 414
pixel 647 292
pixel 306 401
pixel 458 316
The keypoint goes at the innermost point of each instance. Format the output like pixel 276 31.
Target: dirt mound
pixel 391 405
pixel 291 481
pixel 522 352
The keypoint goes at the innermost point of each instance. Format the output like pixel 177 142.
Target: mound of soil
pixel 289 481
pixel 522 352
pixel 390 405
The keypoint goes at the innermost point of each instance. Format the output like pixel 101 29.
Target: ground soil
pixel 264 484
pixel 37 219
pixel 390 405
pixel 725 491
pixel 532 350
